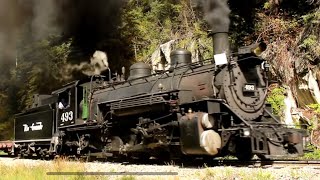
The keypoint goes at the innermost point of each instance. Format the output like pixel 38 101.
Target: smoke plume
pixel 217 14
pixel 9 21
pixel 98 63
pixel 91 23
pixel 45 14
pixel 37 17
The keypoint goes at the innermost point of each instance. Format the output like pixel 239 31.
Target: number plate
pixel 249 88
pixel 66 118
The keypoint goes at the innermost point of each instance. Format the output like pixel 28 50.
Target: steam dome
pixel 180 57
pixel 139 70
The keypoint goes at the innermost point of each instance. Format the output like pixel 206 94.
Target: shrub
pixel 276 99
pixel 314 155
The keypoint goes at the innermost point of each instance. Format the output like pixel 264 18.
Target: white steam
pixel 98 64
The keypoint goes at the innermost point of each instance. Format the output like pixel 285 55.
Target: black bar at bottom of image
pixel 114 173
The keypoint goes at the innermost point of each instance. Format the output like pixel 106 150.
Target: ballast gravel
pixel 108 170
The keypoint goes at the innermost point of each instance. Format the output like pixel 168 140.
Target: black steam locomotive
pixel 203 109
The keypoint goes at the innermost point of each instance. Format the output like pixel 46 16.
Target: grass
pixel 39 172
pixel 313 155
pixel 234 173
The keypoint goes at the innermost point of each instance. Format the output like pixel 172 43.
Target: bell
pixel 260 48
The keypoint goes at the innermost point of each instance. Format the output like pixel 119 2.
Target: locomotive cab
pixel 65 106
pixel 69 105
pixel 74 106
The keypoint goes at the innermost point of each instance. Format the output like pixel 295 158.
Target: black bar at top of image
pixel 114 173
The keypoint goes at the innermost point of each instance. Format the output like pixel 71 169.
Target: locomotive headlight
pixel 246 132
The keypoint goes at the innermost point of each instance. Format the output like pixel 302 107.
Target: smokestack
pixel 217 15
pixel 221 43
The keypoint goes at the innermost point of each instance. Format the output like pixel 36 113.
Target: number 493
pixel 67 116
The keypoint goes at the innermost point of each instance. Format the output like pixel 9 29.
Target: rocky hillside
pixel 294 53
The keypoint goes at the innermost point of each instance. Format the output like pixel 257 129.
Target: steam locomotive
pixel 212 108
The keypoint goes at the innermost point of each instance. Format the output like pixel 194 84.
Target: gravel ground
pixel 235 173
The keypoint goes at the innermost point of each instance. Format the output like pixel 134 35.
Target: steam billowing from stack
pixel 98 64
pixel 217 15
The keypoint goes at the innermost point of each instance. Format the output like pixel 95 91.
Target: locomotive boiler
pixel 211 108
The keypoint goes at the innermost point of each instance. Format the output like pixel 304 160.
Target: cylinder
pixel 210 141
pixel 207 121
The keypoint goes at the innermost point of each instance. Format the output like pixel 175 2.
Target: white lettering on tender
pixel 25 128
pixel 34 127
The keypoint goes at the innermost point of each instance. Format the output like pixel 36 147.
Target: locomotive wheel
pixel 116 143
pixel 262 157
pixel 90 158
pixel 144 157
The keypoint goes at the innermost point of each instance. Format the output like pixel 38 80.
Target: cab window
pixel 64 99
